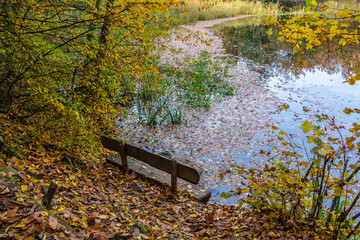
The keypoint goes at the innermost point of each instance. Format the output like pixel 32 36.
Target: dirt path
pixel 231 131
pixel 210 23
pixel 185 41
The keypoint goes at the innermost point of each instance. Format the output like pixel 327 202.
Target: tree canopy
pixel 69 65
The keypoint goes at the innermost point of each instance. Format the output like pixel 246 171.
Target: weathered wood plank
pixel 117 146
pixel 150 158
pixel 111 143
pixel 152 174
pixel 185 172
pixel 174 176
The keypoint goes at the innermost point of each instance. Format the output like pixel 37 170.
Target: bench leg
pixel 123 158
pixel 174 176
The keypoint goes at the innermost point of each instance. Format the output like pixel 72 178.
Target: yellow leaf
pixel 342 42
pixel 306 126
pixel 20 226
pixel 266 225
pixel 44 214
pixel 193 215
pixel 313 3
pixel 353 166
pixel 272 234
pixel 348 111
pixel 301 192
pixel 24 188
pixel 36 191
pixel 324 152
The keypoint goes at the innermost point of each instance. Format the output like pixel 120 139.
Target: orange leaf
pixel 272 234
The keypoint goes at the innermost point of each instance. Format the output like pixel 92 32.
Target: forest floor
pixel 95 200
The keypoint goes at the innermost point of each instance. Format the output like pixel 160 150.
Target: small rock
pixel 92 164
pixel 134 229
pixel 9 170
pixel 136 187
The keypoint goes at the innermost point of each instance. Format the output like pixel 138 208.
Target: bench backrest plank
pixel 111 143
pixel 162 163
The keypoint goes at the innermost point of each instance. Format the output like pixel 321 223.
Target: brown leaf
pixel 210 217
pixel 95 228
pixel 5 191
pixel 266 225
pixel 4 236
pixel 14 204
pixel 53 223
pixel 12 213
pixel 30 238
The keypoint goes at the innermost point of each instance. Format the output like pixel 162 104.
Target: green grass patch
pixel 162 97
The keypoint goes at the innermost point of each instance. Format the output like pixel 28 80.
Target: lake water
pixel 313 79
pixel 233 131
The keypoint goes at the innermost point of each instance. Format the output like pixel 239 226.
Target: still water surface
pixel 312 80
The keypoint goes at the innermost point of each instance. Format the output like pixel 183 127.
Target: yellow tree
pixel 321 185
pixel 67 64
pixel 313 29
pixel 331 154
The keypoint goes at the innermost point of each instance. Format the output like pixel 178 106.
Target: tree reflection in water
pixel 248 39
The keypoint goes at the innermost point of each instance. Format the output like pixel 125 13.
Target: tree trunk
pixel 105 29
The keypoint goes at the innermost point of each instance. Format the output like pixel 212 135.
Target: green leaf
pixel 226 195
pixel 346 203
pixel 308 9
pixel 257 194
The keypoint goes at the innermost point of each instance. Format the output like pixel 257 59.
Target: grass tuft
pixel 200 10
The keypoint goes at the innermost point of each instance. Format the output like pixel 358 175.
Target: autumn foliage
pixel 315 183
pixel 69 67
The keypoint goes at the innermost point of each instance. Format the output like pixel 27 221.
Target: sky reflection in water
pixel 313 79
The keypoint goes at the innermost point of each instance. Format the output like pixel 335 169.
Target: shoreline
pixel 232 130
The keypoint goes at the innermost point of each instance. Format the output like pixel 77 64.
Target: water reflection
pixel 312 79
pixel 249 39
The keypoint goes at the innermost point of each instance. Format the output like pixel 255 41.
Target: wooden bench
pixel 155 167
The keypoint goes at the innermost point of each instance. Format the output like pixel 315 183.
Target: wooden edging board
pixel 152 174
